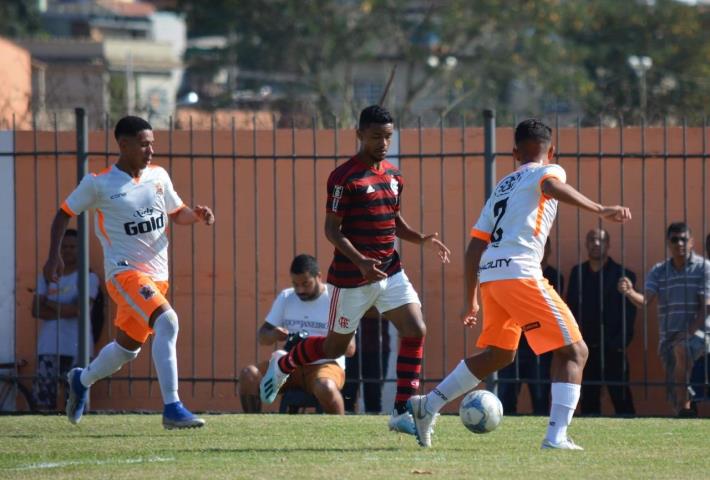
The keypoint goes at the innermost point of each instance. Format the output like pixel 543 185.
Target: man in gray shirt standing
pixel 682 286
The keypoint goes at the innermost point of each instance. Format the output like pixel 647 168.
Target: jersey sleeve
pixel 275 316
pixel 338 197
pixel 552 170
pixel 82 198
pixel 484 226
pixel 173 202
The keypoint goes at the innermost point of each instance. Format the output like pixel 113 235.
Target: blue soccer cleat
pixel 175 415
pixel 78 395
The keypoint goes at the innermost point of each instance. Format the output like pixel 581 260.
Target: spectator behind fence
pixel 56 304
pixel 373 340
pixel 299 312
pixel 607 323
pixel 134 201
pixel 680 286
pixel 529 366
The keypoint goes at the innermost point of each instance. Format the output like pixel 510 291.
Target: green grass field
pixel 357 447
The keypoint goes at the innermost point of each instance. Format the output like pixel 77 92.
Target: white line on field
pixel 70 463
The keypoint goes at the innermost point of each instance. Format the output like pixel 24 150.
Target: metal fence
pixel 267 188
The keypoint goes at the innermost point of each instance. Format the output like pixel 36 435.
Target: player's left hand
pixel 204 213
pixel 443 251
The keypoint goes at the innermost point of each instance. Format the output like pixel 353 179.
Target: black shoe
pixel 691 412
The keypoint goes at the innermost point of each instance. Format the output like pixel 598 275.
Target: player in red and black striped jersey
pixel 362 222
pixel 366 200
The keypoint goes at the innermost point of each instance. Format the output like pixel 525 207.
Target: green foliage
pixel 19 18
pixel 520 58
pixel 351 447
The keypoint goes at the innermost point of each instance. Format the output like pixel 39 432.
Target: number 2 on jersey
pixel 498 212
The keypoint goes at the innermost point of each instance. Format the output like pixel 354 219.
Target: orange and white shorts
pixel 525 305
pixel 137 297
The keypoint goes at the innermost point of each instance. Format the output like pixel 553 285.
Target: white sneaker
pixel 273 379
pixel 401 422
pixel 566 444
pixel 423 420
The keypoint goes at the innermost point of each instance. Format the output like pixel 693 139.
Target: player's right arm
pixel 474 251
pixel 55 265
pixel 555 188
pixel 82 198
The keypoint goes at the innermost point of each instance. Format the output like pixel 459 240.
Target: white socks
pixel 458 382
pixel 564 401
pixel 165 356
pixel 110 359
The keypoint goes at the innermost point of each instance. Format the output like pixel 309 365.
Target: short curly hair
pixel 129 126
pixel 374 114
pixel 534 130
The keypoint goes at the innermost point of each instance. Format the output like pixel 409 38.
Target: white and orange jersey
pixel 516 220
pixel 131 217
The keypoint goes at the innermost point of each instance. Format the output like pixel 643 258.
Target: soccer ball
pixel 480 411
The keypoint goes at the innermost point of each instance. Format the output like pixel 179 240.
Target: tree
pixel 19 18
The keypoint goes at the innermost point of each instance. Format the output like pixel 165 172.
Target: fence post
pixel 489 160
pixel 82 168
pixel 489 150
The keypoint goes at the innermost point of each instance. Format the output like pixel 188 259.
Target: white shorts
pixel 348 305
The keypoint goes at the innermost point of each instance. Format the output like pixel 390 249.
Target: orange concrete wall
pixel 16 81
pixel 225 280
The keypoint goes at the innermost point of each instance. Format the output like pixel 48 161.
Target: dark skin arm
pixel 55 265
pixel 474 251
pixel 270 334
pixel 368 266
pixel 565 193
pixel 405 232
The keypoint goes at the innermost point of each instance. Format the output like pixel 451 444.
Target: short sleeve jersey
pixel 296 315
pixel 131 216
pixel 516 220
pixel 368 201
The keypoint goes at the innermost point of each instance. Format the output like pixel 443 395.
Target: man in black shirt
pixel 606 319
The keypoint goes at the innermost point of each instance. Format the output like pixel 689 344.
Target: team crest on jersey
pixel 507 184
pixel 146 291
pixel 394 186
pixel 343 322
pixel 158 188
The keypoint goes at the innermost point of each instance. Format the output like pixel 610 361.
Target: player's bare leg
pixel 248 386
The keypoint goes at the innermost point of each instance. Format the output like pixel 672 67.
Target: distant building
pixel 110 57
pixel 16 91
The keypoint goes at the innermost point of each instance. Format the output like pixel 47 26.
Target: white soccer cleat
pixel 566 444
pixel 423 420
pixel 273 379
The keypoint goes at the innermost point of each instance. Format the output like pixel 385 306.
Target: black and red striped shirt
pixel 367 199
